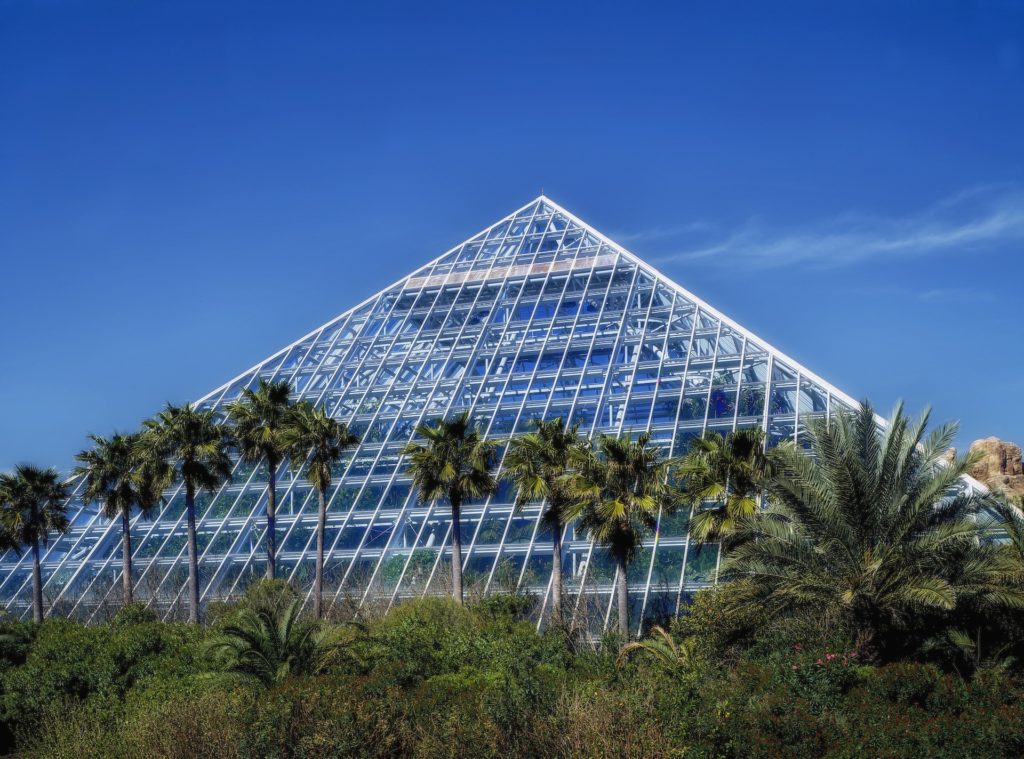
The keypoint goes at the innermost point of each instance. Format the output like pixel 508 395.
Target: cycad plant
pixel 663 647
pixel 32 505
pixel 872 528
pixel 620 489
pixel 259 417
pixel 187 445
pixel 537 464
pixel 271 646
pixel 118 476
pixel 317 441
pixel 455 464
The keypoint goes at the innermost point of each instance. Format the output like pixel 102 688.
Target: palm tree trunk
pixel 37 584
pixel 318 583
pixel 271 520
pixel 193 557
pixel 623 598
pixel 556 572
pixel 456 552
pixel 126 559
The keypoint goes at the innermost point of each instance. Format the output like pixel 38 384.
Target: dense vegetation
pixel 433 679
pixel 869 606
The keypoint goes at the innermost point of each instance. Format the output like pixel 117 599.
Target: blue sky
pixel 187 187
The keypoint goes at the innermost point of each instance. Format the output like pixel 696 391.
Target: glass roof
pixel 538 315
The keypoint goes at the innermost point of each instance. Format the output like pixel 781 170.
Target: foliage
pixel 867 612
pixel 620 490
pixel 274 645
pixel 873 529
pixel 538 464
pixel 259 418
pixel 116 475
pixel 662 646
pixel 189 446
pixel 184 444
pixel 456 464
pixel 316 440
pixel 432 678
pixel 32 502
pixel 723 479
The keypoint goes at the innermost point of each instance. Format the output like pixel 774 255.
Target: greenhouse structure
pixel 537 316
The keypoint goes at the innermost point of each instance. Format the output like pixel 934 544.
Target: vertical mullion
pixel 464 381
pixel 426 403
pixel 251 519
pixel 376 415
pixel 682 397
pixel 526 396
pixel 109 528
pixel 628 397
pixel 517 352
pixel 155 559
pixel 619 259
pixel 671 448
pixel 568 421
pixel 225 490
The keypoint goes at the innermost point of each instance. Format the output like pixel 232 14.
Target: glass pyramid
pixel 539 315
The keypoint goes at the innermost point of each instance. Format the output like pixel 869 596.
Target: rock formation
pixel 999 466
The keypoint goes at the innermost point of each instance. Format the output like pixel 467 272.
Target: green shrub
pixel 433 679
pixel 905 684
pixel 190 718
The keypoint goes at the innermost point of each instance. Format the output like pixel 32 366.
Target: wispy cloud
pixel 655 234
pixel 940 295
pixel 969 221
pixel 955 295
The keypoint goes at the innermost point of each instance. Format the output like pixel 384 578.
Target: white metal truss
pixel 538 315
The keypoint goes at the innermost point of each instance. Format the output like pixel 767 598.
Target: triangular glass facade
pixel 539 315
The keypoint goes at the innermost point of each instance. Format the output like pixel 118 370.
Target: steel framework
pixel 538 315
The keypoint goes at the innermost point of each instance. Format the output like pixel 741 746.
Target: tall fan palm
pixel 188 446
pixel 118 476
pixel 259 417
pixel 728 472
pixel 621 490
pixel 457 464
pixel 872 527
pixel 724 478
pixel 312 435
pixel 537 464
pixel 33 502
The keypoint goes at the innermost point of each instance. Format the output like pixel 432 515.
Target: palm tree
pixel 186 445
pixel 728 472
pixel 314 435
pixel 117 476
pixel 33 503
pixel 980 632
pixel 271 647
pixel 537 463
pixel 621 490
pixel 456 464
pixel 259 417
pixel 873 528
